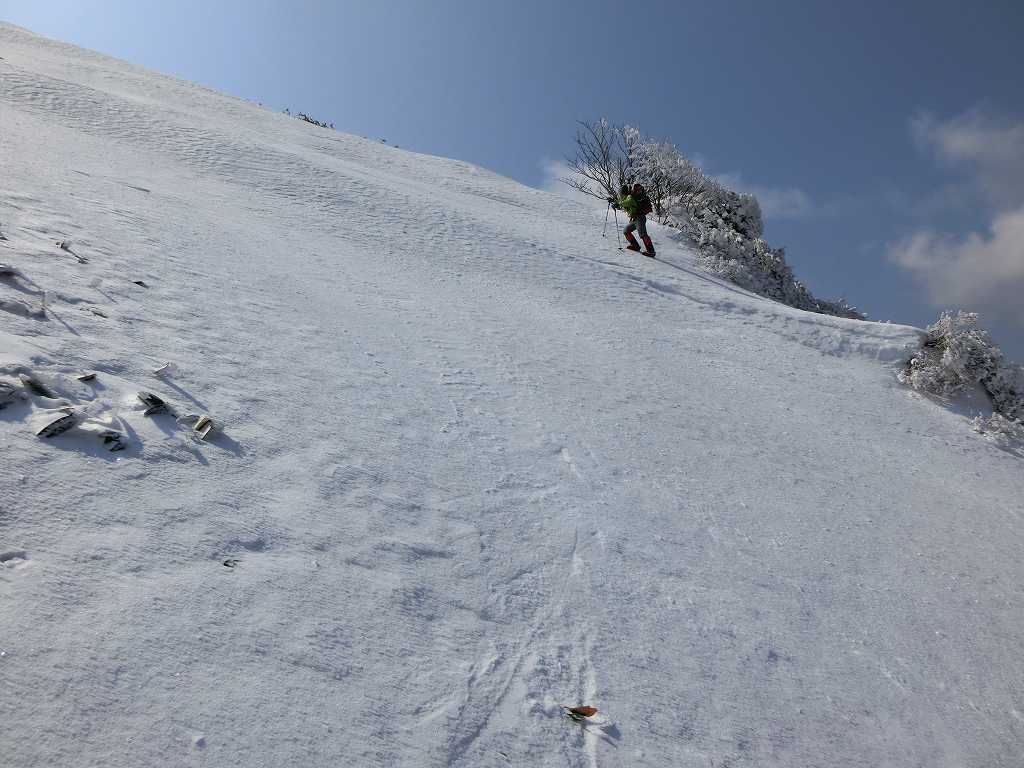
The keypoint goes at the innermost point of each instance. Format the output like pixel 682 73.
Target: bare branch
pixel 597 158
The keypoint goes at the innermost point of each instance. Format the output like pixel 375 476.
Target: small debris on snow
pixel 8 394
pixel 141 282
pixel 113 440
pixel 86 376
pixel 231 562
pixel 36 387
pixel 579 713
pixel 154 404
pixel 203 426
pixel 62 422
pixel 65 245
pixel 164 370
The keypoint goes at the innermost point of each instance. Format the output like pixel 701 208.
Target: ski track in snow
pixel 472 464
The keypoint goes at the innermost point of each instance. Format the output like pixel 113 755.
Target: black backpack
pixel 644 203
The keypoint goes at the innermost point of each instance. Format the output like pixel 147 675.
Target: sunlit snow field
pixel 472 463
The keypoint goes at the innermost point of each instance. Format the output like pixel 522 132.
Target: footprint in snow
pixel 14 559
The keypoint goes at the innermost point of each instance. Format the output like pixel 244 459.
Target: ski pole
pixel 605 230
pixel 618 234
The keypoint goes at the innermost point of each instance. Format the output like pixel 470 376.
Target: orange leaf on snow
pixel 583 711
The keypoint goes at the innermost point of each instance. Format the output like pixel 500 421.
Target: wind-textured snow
pixel 472 464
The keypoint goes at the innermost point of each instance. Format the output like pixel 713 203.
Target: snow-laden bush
pixel 306 118
pixel 1006 433
pixel 957 352
pixel 751 263
pixel 726 225
pixel 1006 388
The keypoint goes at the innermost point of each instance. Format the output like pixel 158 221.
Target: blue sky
pixel 885 140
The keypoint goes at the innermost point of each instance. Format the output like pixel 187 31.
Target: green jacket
pixel 630 206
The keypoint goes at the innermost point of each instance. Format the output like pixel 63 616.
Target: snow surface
pixel 473 464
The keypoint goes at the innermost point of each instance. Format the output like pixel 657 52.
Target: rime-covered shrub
pixel 957 352
pixel 726 225
pixel 312 121
pixel 1006 433
pixel 1006 388
pixel 751 263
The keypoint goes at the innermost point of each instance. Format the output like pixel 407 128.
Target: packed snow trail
pixel 473 465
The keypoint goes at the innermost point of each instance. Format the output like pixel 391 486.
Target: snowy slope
pixel 474 464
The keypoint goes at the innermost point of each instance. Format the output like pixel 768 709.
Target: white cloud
pixel 551 181
pixel 989 150
pixel 983 272
pixel 783 203
pixel 776 202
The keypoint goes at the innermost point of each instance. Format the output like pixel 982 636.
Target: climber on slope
pixel 637 205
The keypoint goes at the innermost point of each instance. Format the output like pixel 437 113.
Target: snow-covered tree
pixel 957 352
pixel 726 225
